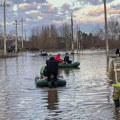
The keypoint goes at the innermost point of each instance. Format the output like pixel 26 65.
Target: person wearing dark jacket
pixel 66 59
pixel 52 68
pixel 117 52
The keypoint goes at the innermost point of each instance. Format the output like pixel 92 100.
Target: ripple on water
pixel 85 97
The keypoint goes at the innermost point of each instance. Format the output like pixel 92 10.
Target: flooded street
pixel 85 97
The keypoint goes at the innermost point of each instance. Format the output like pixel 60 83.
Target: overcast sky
pixel 87 13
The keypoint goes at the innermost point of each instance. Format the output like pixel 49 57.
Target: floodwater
pixel 86 96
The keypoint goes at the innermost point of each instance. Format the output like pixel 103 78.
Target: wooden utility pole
pixel 4 9
pixel 106 35
pixel 72 41
pixel 16 37
pixel 78 41
pixel 25 35
pixel 22 32
pixel 106 29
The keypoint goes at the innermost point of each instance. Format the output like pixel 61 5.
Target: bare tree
pixel 65 31
pixel 99 36
pixel 54 36
pixel 114 33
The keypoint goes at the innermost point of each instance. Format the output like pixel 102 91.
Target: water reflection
pixel 116 114
pixel 72 57
pixel 5 66
pixel 83 98
pixel 67 71
pixel 52 99
pixel 107 62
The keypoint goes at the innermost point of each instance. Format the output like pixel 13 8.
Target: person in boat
pixel 43 71
pixel 52 68
pixel 117 52
pixel 114 79
pixel 41 51
pixel 66 59
pixel 57 58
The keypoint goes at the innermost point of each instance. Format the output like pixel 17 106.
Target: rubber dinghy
pixel 43 54
pixel 72 65
pixel 44 82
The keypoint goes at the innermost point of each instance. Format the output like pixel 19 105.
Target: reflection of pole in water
pixel 116 114
pixel 73 57
pixel 5 66
pixel 52 99
pixel 78 57
pixel 67 71
pixel 107 62
pixel 109 92
pixel 17 66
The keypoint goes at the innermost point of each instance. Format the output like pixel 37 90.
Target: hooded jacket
pixel 57 58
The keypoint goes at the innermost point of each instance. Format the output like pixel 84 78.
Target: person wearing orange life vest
pixel 114 79
pixel 57 58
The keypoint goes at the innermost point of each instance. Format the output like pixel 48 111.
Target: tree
pixel 114 33
pixel 65 32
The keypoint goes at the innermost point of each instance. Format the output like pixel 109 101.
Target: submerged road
pixel 85 97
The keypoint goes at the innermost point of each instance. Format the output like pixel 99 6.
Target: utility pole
pixel 22 32
pixel 4 9
pixel 72 41
pixel 78 40
pixel 16 37
pixel 106 34
pixel 25 35
pixel 106 29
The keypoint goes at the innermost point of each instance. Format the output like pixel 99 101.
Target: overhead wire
pixel 88 18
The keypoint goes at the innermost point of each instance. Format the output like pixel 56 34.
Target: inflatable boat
pixel 43 82
pixel 71 65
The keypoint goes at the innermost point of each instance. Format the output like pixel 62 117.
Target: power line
pixel 88 18
pixel 96 10
pixel 99 7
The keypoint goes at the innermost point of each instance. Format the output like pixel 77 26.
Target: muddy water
pixel 86 96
